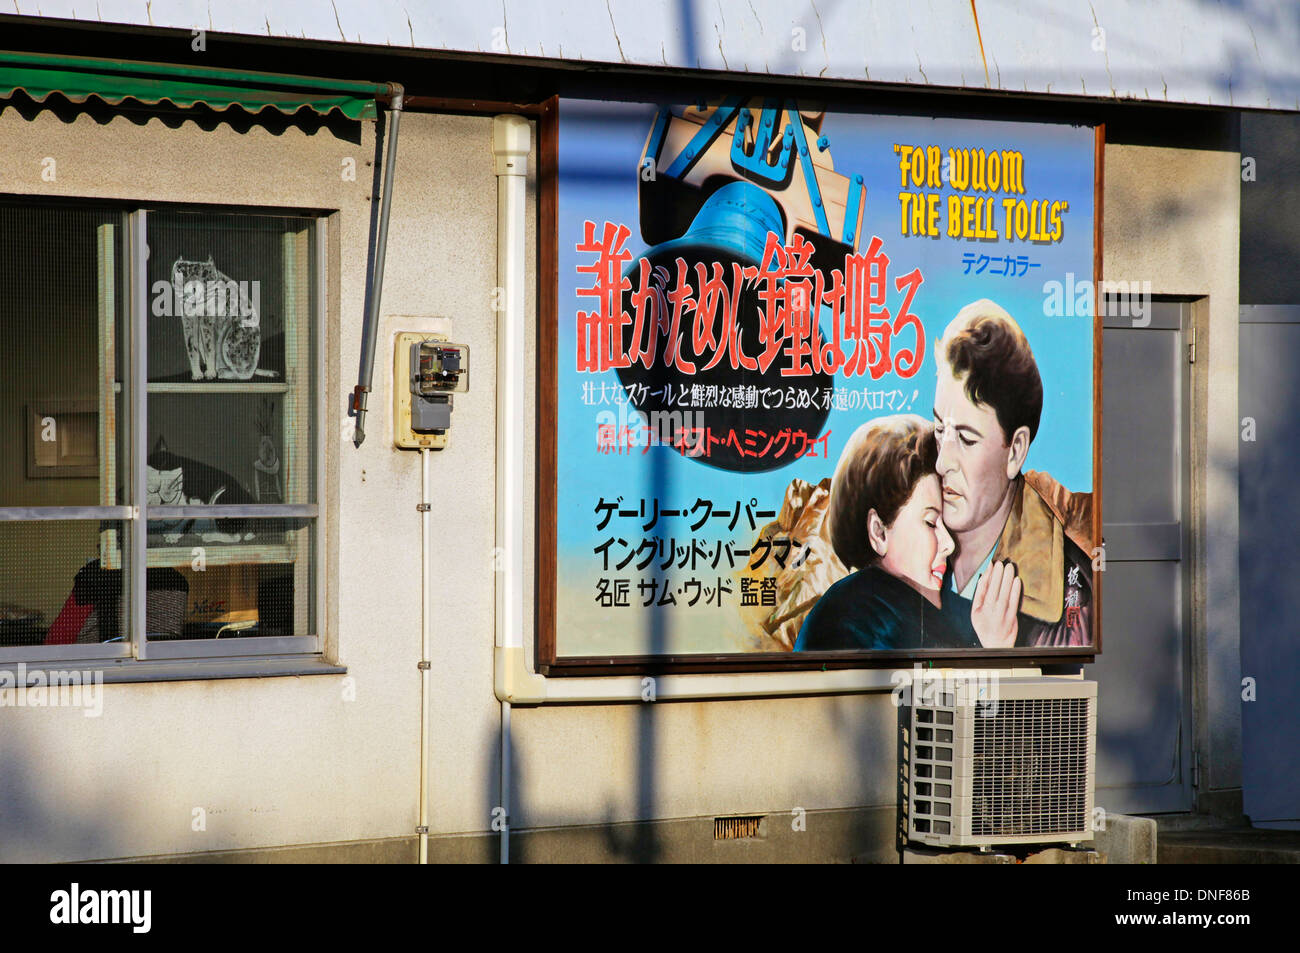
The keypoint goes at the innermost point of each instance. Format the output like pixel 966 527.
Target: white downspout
pixel 426 621
pixel 511 136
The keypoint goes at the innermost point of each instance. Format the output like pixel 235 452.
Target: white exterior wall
pixel 286 761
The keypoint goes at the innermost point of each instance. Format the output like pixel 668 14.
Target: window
pixel 159 421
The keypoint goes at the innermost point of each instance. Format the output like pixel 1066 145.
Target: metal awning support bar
pixel 375 272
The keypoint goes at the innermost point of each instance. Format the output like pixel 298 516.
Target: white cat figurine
pixel 167 488
pixel 223 335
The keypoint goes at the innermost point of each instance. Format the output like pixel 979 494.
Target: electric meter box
pixel 427 371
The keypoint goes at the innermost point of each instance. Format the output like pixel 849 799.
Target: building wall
pixel 1172 218
pixel 270 761
pixel 287 761
pixel 1270 401
pixel 1270 208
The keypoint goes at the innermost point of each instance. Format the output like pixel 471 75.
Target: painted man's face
pixel 973 455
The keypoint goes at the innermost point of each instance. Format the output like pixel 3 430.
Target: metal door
pixel 1268 397
pixel 1144 737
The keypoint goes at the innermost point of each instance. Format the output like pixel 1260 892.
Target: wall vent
pixel 737 828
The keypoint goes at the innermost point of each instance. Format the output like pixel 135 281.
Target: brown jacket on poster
pixel 1073 510
pixel 1044 537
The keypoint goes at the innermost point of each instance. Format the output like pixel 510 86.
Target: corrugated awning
pixel 79 78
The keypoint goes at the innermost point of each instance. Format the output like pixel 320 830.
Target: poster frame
pixel 550 664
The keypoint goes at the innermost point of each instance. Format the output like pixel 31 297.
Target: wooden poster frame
pixel 549 663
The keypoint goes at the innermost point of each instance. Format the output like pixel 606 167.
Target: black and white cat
pixel 180 481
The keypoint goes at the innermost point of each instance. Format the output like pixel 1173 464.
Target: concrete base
pixel 389 850
pixel 1127 839
pixel 929 855
pixel 1050 855
pixel 1230 846
pixel 1174 823
pixel 863 835
pixel 1058 855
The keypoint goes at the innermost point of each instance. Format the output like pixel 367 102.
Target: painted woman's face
pixel 917 545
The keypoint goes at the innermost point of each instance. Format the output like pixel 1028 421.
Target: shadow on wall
pixel 1269 394
pixel 1270 209
pixel 643 846
pixel 38 824
pixel 501 815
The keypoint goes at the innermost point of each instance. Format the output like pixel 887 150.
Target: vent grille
pixel 737 828
pixel 1031 768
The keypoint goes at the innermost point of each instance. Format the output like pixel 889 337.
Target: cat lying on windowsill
pixel 173 478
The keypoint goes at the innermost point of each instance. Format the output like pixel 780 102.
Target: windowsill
pixel 184 670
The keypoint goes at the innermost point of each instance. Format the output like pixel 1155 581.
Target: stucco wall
pixel 283 761
pixel 279 760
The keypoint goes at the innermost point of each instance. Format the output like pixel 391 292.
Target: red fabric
pixel 72 618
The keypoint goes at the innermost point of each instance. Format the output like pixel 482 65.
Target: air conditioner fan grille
pixel 1030 768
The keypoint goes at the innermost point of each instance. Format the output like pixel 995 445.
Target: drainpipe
pixel 511 136
pixel 375 271
pixel 426 621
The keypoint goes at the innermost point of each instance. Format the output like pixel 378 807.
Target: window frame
pixel 134 655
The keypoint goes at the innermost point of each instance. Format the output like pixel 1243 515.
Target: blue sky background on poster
pixel 600 146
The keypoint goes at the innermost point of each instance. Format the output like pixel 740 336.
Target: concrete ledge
pixel 1059 855
pixel 1231 846
pixel 1172 823
pixel 933 855
pixel 839 836
pixel 859 835
pixel 391 850
pixel 1052 855
pixel 1127 839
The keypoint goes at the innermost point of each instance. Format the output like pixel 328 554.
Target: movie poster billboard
pixel 825 383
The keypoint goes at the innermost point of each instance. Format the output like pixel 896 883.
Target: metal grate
pixel 1031 768
pixel 736 828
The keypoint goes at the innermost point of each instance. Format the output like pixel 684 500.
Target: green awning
pixel 79 78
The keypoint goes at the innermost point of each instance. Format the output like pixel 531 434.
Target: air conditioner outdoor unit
pixel 1006 762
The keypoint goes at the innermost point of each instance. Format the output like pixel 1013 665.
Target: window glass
pixel 61 306
pixel 61 427
pixel 232 578
pixel 55 588
pixel 230 360
pixel 230 424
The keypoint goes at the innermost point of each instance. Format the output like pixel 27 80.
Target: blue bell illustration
pixel 742 407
